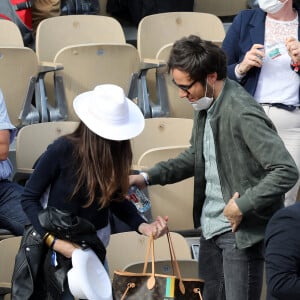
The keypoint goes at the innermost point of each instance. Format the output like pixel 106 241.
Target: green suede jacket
pixel 251 159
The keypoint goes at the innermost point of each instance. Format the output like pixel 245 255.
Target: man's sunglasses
pixel 185 88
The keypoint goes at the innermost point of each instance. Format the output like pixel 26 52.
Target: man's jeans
pixel 230 273
pixel 12 216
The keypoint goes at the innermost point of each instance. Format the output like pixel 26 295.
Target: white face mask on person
pixel 271 6
pixel 204 102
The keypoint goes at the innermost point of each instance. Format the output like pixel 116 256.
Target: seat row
pixel 75 53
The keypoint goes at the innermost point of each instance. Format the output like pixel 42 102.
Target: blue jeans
pixel 230 273
pixel 12 216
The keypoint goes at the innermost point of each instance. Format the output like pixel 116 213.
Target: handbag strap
pixel 175 266
pixel 150 247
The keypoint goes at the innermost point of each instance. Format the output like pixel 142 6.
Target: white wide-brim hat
pixel 107 112
pixel 88 278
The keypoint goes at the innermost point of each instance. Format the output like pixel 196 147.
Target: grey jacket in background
pixel 251 159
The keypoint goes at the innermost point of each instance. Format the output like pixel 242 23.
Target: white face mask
pixel 204 102
pixel 271 6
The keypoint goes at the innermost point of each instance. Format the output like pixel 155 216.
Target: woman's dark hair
pixel 198 58
pixel 101 165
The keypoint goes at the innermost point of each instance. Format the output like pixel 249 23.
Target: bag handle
pixel 175 266
pixel 150 247
pixel 175 263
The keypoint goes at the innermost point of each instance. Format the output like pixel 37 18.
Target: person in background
pixel 282 244
pixel 87 171
pixel 263 52
pixel 240 167
pixel 43 9
pixel 12 216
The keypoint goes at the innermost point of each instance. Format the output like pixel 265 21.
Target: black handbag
pixel 80 7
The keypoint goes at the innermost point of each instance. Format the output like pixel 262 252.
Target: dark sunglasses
pixel 185 88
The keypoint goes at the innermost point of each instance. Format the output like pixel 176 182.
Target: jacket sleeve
pixel 176 169
pixel 279 171
pixel 282 243
pixel 231 46
pixel 38 183
pixel 127 212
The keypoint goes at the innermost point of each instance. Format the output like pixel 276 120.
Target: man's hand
pixel 137 180
pixel 233 213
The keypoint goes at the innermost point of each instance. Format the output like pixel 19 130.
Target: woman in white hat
pixel 87 170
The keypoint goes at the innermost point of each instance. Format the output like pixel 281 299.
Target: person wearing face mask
pixel 263 55
pixel 240 166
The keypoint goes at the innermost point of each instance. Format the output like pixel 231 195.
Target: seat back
pixel 134 248
pixel 157 30
pixel 172 200
pixel 19 68
pixel 8 250
pixel 56 33
pixel 53 34
pixel 160 132
pixel 32 141
pixel 188 267
pixel 86 66
pixel 220 8
pixel 10 34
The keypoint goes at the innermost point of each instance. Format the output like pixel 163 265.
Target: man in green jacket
pixel 240 165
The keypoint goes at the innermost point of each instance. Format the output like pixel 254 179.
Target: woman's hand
pixel 65 248
pixel 253 58
pixel 157 228
pixel 293 48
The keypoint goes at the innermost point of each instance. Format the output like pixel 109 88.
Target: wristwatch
pixel 146 177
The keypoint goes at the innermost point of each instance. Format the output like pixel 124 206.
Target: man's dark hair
pixel 198 58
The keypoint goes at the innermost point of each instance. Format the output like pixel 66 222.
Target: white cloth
pixel 287 124
pixel 278 83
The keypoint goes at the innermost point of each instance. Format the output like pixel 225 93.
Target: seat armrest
pixel 47 66
pixel 149 63
pixel 5 288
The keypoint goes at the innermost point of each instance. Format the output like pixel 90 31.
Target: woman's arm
pixel 43 175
